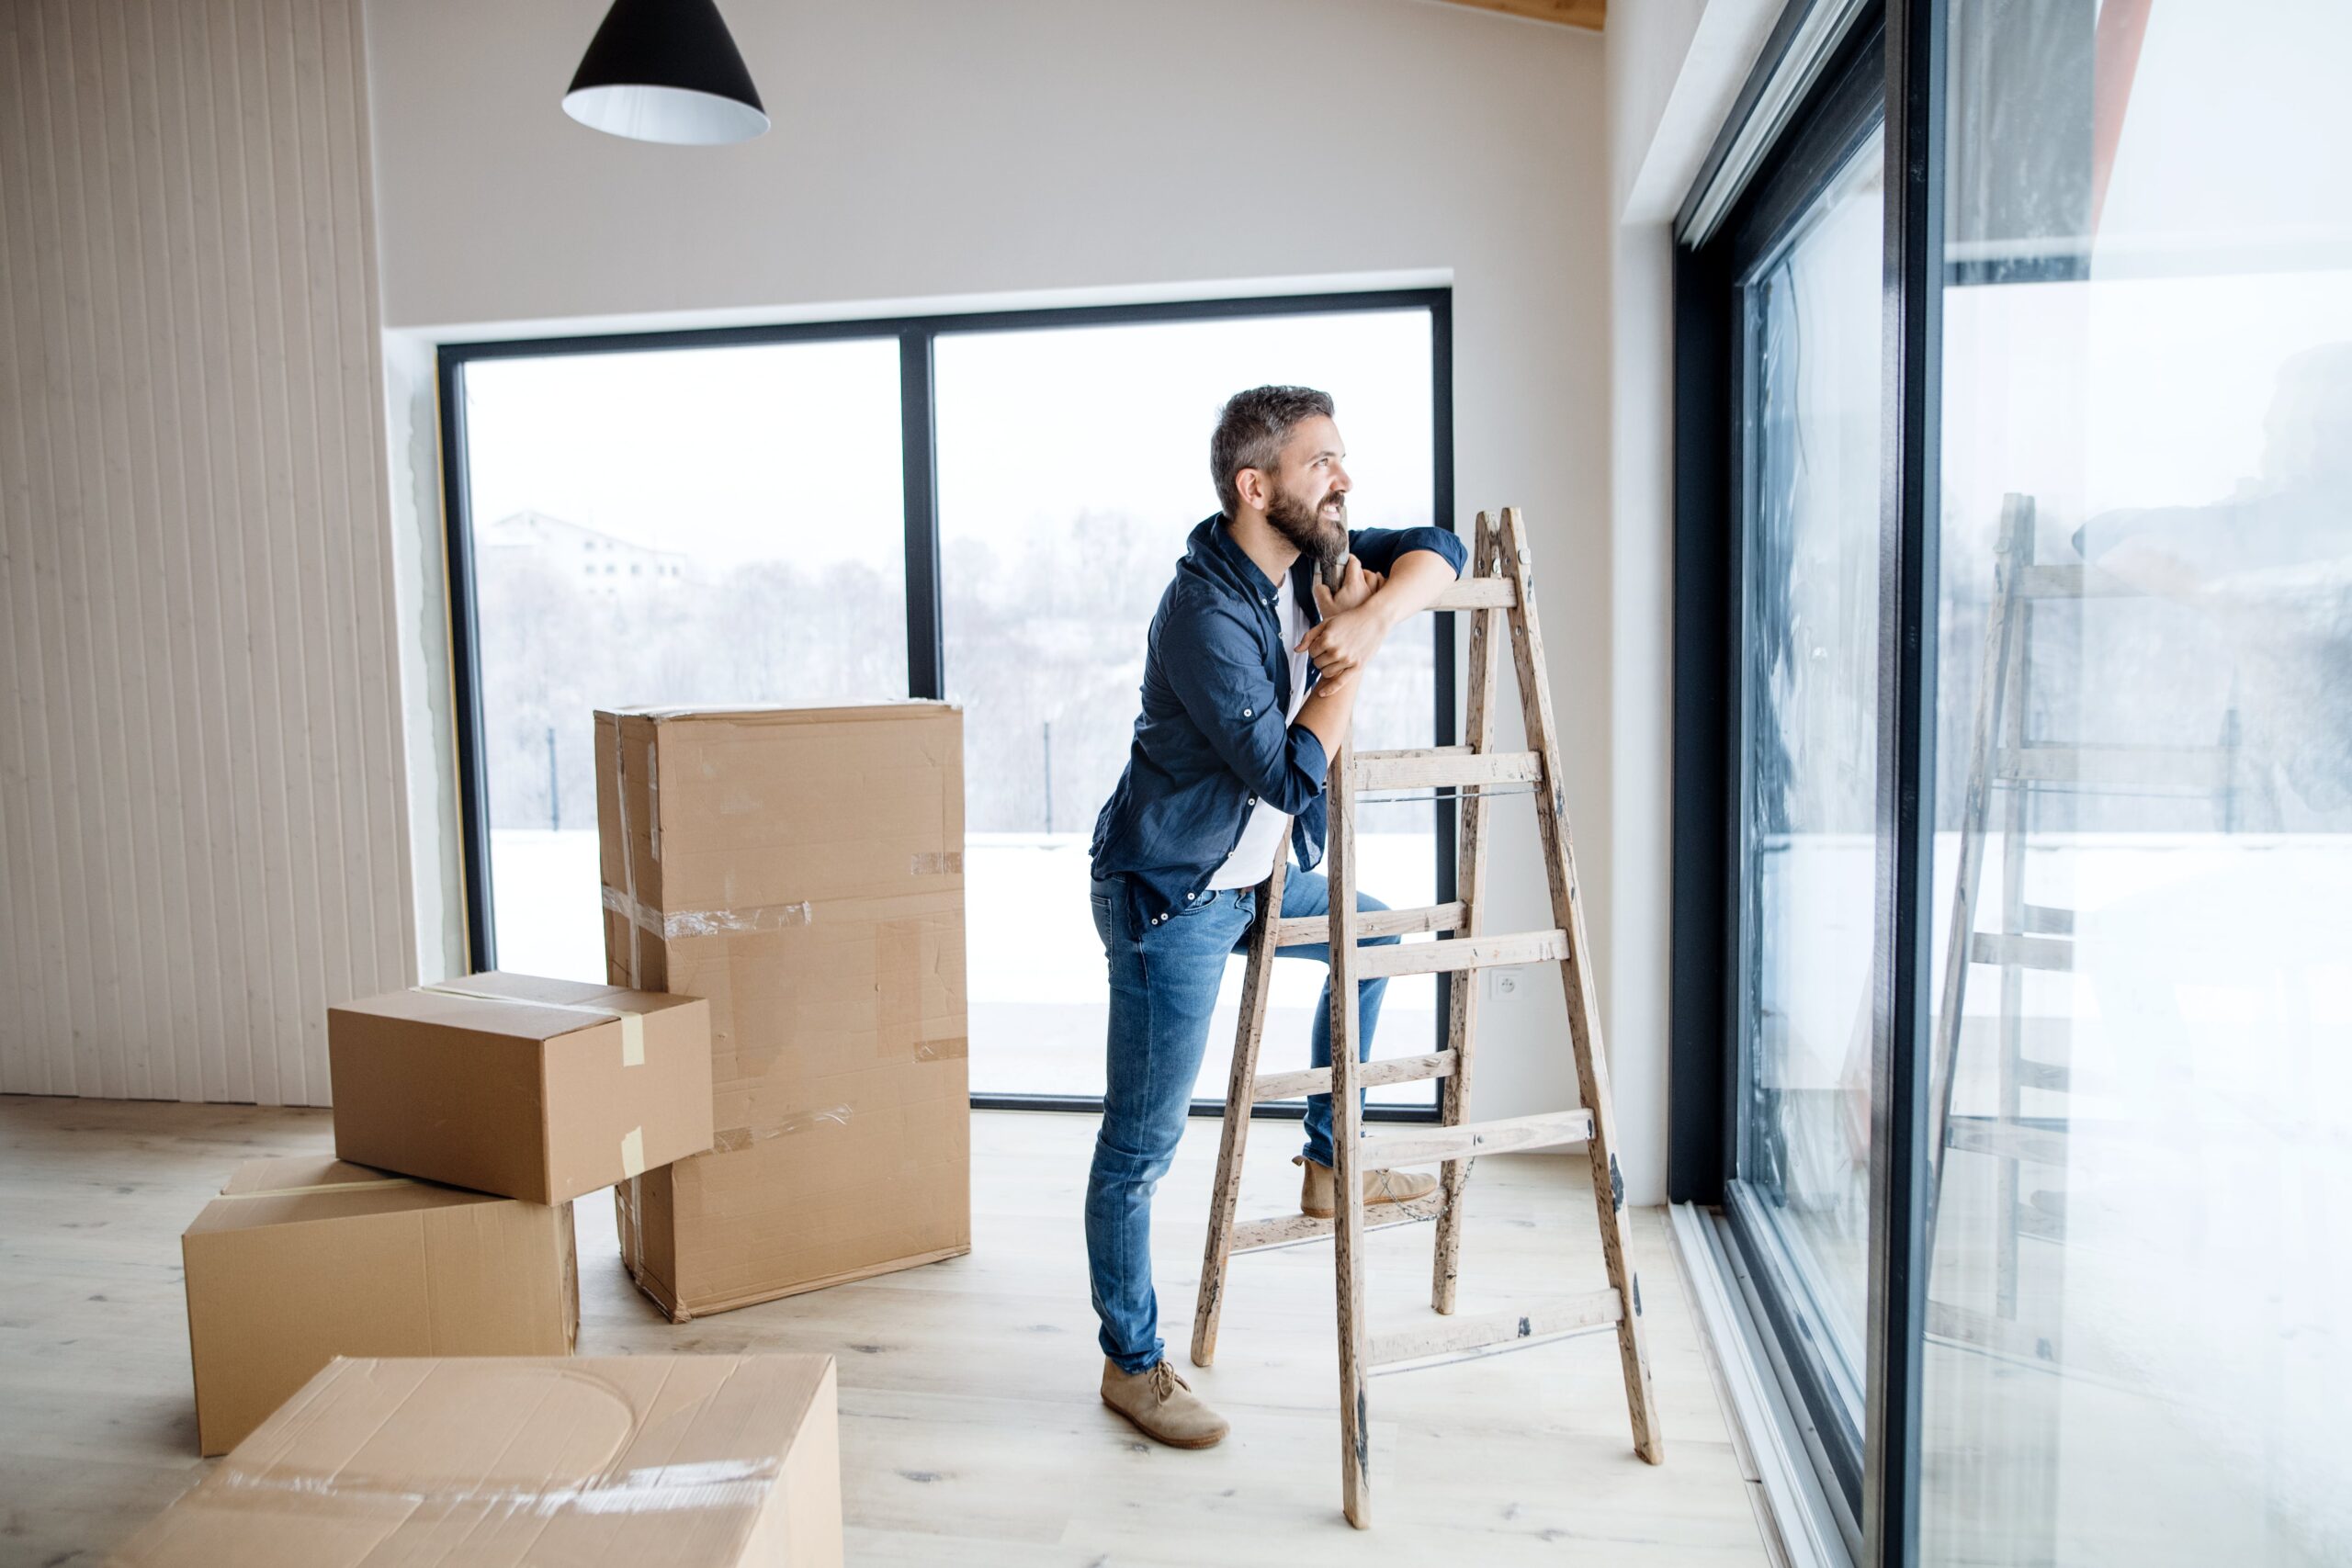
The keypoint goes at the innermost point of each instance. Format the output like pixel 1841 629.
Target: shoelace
pixel 1165 1383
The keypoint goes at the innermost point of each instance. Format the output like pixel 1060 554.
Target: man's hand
pixel 1352 629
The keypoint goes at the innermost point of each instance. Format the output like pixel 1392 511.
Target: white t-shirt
pixel 1261 836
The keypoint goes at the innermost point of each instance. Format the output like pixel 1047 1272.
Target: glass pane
pixel 1808 743
pixel 2138 1344
pixel 702 526
pixel 1072 464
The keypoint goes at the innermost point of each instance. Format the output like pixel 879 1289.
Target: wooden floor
pixel 971 1431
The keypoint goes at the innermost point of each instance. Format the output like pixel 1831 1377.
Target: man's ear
pixel 1255 486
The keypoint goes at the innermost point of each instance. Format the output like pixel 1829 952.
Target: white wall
pixel 928 150
pixel 201 800
pixel 1673 69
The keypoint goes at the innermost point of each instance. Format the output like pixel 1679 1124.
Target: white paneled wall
pixel 200 790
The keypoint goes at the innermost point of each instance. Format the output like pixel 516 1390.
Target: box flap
pixel 292 1190
pixel 490 1462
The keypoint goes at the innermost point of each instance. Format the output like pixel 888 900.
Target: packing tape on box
pixel 325 1187
pixel 628 859
pixel 798 1121
pixel 633 1152
pixel 707 922
pixel 632 1022
pixel 693 1486
pixel 937 863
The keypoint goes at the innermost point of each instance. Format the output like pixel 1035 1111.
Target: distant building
pixel 599 563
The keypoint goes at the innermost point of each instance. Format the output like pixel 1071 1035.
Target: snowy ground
pixel 1032 963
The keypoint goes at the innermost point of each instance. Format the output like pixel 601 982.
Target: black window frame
pixel 1881 1482
pixel 917 336
pixel 1839 114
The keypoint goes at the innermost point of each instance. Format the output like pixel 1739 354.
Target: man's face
pixel 1308 499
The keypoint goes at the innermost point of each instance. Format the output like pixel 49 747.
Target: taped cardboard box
pixel 534 1089
pixel 802 870
pixel 301 1260
pixel 690 1462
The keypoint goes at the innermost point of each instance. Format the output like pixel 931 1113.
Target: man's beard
pixel 1303 526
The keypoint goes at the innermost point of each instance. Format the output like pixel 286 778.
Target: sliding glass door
pixel 2014 770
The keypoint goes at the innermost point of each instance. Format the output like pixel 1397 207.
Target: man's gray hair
pixel 1252 432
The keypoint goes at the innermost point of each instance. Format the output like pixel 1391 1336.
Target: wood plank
pixel 1293 1230
pixel 1983 1136
pixel 2073 582
pixel 1318 1080
pixel 1387 1150
pixel 1966 1326
pixel 1478 592
pixel 1578 984
pixel 2050 1077
pixel 1588 14
pixel 1347 1151
pixel 1443 767
pixel 1486 1330
pixel 2201 769
pixel 1233 1139
pixel 1486 635
pixel 1315 930
pixel 1463 952
pixel 2047 952
pixel 2043 920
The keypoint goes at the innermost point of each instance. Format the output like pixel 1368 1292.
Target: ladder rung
pixel 2007 1140
pixel 1968 1326
pixel 1307 930
pixel 2073 582
pixel 2043 920
pixel 2040 1075
pixel 2199 768
pixel 2040 1224
pixel 1430 1145
pixel 1461 952
pixel 1369 1075
pixel 1289 1230
pixel 1477 593
pixel 2024 952
pixel 1443 767
pixel 1455 1334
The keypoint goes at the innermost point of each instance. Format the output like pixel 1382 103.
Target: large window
pixel 1072 464
pixel 2138 1342
pixel 2014 770
pixel 981 507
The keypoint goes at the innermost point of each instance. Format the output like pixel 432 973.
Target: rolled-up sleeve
pixel 1211 660
pixel 1378 549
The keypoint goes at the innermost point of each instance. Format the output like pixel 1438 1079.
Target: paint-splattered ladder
pixel 1496 587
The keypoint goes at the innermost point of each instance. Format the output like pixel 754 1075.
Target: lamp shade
pixel 666 71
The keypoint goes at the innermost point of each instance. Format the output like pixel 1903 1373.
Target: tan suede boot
pixel 1317 1197
pixel 1162 1407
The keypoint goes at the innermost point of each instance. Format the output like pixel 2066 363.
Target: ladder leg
pixel 1469 878
pixel 1239 1095
pixel 1577 980
pixel 2013 923
pixel 1347 1164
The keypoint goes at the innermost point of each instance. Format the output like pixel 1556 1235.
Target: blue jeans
pixel 1164 982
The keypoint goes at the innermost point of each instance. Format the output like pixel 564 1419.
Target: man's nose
pixel 1341 483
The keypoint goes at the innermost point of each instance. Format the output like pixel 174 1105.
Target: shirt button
pixel 1249 713
pixel 1253 800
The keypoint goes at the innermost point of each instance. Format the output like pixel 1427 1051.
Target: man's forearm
pixel 1415 581
pixel 1327 711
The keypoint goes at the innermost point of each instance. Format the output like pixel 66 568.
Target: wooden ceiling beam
pixel 1586 14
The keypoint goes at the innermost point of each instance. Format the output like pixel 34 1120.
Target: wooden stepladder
pixel 2010 762
pixel 1496 590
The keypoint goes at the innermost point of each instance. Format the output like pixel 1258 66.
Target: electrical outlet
pixel 1502 983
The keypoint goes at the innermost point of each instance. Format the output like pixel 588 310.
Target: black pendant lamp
pixel 666 71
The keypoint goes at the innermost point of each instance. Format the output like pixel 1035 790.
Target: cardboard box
pixel 534 1089
pixel 803 870
pixel 690 1462
pixel 301 1260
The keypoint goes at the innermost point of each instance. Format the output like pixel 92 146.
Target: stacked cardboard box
pixel 693 1461
pixel 802 870
pixel 469 1115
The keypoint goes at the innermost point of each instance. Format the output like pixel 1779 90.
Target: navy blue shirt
pixel 1215 738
